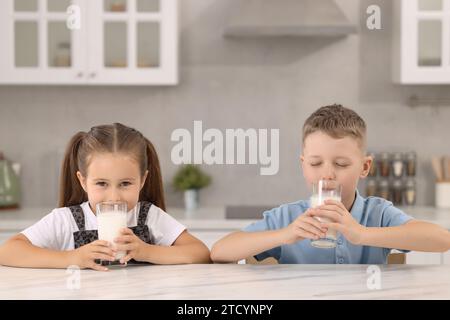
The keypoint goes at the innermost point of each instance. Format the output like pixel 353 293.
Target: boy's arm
pixel 413 235
pixel 240 245
pixel 20 252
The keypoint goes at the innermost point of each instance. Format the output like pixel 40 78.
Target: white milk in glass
pixel 109 225
pixel 331 236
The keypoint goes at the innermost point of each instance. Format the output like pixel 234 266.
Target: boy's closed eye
pixel 342 165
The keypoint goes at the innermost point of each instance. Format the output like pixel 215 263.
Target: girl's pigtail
pixel 153 190
pixel 71 193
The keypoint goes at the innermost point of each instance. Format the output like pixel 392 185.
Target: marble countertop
pixel 229 281
pixel 207 218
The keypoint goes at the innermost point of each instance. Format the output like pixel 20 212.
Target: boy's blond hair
pixel 337 122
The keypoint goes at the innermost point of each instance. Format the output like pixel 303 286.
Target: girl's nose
pixel 114 196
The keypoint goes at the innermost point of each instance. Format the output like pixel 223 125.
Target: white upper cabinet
pixel 421 41
pixel 94 42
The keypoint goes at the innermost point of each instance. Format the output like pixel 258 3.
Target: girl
pixel 109 163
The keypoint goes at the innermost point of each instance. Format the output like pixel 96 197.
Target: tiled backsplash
pixel 226 83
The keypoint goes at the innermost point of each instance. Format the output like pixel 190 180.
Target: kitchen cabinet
pixel 89 42
pixel 421 42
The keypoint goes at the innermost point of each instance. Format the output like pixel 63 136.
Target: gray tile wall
pixel 227 83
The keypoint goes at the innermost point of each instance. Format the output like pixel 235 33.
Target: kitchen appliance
pixel 9 184
pixel 288 18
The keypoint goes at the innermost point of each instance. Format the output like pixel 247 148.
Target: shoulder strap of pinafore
pixel 143 212
pixel 78 215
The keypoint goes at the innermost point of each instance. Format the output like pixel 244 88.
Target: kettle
pixel 9 184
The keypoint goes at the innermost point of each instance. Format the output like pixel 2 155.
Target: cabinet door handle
pixel 79 74
pixel 93 75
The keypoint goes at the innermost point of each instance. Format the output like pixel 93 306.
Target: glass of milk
pixel 111 218
pixel 325 190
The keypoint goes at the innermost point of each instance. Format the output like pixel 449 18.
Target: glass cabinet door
pixel 432 25
pixel 131 34
pixel 114 42
pixel 43 47
pixel 26 46
pixel 48 36
pixel 430 5
pixel 429 43
pixel 136 41
pixel 26 33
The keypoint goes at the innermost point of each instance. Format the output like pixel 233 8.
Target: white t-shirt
pixel 55 230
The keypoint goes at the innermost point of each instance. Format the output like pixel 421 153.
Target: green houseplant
pixel 190 179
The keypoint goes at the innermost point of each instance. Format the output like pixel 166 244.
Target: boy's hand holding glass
pixel 130 243
pixel 341 220
pixel 304 227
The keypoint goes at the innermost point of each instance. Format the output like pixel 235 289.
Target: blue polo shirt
pixel 369 212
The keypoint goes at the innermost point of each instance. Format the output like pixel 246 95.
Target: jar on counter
pixel 371 188
pixel 411 164
pixel 62 57
pixel 410 192
pixel 384 190
pixel 118 6
pixel 397 192
pixel 384 164
pixel 373 167
pixel 397 165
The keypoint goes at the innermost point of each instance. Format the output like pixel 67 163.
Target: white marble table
pixel 228 281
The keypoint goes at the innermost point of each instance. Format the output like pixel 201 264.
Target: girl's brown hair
pixel 115 138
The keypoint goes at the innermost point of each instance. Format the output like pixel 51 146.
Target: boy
pixel 334 148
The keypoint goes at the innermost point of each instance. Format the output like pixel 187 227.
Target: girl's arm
pixel 185 249
pixel 414 235
pixel 241 245
pixel 20 252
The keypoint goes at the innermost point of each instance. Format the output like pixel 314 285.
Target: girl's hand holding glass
pixel 130 243
pixel 86 255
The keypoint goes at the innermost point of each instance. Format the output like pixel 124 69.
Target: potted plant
pixel 190 179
